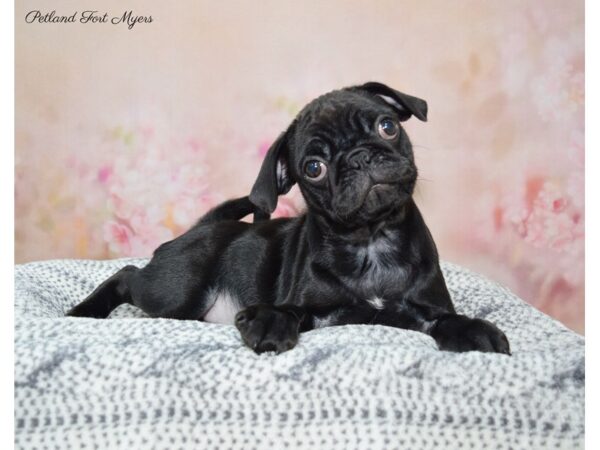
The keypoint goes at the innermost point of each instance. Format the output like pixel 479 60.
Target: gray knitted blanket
pixel 131 382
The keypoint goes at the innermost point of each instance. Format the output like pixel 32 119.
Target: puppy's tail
pixel 235 209
pixel 111 293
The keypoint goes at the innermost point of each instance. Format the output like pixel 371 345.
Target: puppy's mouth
pixel 404 187
pixel 381 195
pixel 379 191
pixel 379 187
pixel 370 203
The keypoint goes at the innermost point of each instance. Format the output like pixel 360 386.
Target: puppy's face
pixel 349 154
pixel 351 157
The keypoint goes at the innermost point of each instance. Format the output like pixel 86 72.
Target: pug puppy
pixel 360 254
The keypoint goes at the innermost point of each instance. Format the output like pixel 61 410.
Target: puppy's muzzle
pixel 372 181
pixel 380 167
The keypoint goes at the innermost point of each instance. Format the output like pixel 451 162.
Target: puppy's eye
pixel 388 129
pixel 315 170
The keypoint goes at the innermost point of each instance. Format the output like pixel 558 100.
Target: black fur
pixel 360 254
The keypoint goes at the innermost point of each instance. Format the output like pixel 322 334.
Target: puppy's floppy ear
pixel 405 104
pixel 274 178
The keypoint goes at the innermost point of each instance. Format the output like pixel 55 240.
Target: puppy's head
pixel 348 153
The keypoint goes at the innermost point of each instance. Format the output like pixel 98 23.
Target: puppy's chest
pixel 378 271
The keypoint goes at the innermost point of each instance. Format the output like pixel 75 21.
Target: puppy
pixel 360 254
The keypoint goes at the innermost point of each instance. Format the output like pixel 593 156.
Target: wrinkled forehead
pixel 339 113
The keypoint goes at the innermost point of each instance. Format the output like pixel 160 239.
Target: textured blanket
pixel 132 382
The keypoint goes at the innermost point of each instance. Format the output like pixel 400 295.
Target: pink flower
pixel 156 189
pixel 104 174
pixel 118 237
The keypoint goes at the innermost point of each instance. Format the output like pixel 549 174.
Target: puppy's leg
pixel 267 328
pixel 106 297
pixel 457 333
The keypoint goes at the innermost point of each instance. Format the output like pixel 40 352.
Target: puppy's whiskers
pixel 417 192
pixel 422 146
pixel 431 149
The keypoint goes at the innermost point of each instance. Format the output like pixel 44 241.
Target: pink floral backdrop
pixel 125 137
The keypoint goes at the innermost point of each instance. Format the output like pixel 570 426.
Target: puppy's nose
pixel 359 157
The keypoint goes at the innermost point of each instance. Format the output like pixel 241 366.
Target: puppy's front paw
pixel 462 334
pixel 264 328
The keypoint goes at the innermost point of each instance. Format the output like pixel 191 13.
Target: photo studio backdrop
pixel 124 137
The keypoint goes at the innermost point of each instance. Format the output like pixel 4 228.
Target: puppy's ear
pixel 274 178
pixel 405 104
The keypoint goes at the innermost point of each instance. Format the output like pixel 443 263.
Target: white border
pixel 592 126
pixel 7 165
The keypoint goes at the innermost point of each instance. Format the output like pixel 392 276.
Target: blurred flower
pixel 118 237
pixel 155 188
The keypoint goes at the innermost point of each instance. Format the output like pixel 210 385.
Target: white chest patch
pixel 376 253
pixel 378 268
pixel 223 310
pixel 376 302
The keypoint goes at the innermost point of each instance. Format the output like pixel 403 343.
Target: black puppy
pixel 361 254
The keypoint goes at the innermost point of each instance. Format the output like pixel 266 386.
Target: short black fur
pixel 361 254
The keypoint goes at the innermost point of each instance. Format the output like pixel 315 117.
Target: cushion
pixel 134 382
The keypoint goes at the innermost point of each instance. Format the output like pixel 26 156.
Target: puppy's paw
pixel 462 334
pixel 265 328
